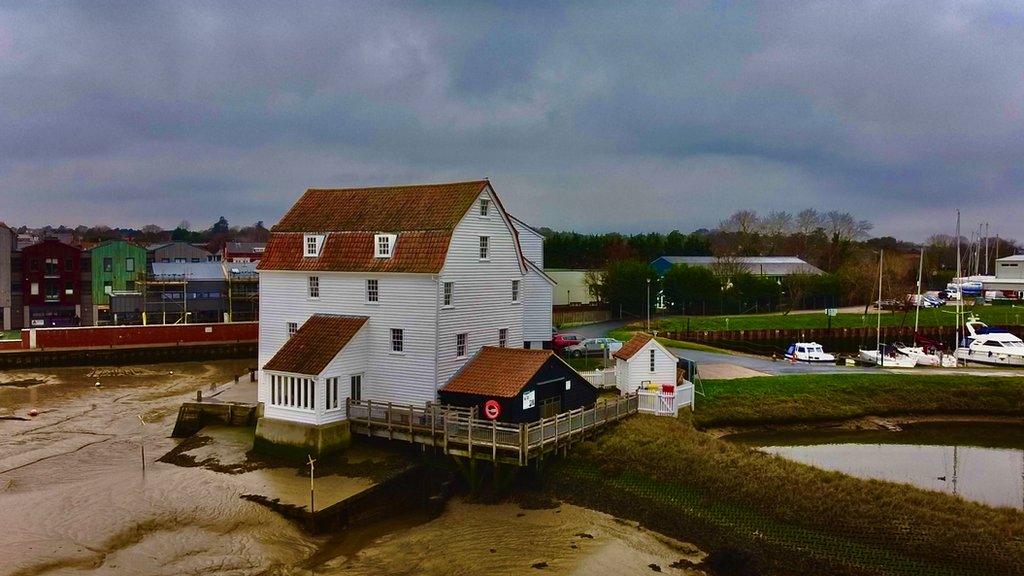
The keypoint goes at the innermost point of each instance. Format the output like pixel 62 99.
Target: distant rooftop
pixel 1014 258
pixel 188 270
pixel 763 265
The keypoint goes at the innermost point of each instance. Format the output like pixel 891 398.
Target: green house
pixel 117 265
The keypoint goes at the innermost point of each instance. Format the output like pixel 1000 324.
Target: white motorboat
pixel 923 357
pixel 990 346
pixel 811 352
pixel 887 357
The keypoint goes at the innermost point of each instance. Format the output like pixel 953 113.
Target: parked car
pixel 594 347
pixel 923 300
pixel 559 342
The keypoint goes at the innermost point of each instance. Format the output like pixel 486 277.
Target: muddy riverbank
pixel 75 498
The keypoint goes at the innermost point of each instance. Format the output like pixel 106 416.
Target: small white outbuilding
pixel 644 365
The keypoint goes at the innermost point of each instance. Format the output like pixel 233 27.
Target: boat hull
pixel 989 358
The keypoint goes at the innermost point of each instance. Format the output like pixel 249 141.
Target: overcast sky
pixel 594 117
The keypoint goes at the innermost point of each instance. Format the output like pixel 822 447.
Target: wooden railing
pixel 458 432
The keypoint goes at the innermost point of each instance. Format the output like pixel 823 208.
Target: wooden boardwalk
pixel 459 433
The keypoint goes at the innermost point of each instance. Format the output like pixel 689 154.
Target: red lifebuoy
pixel 492 409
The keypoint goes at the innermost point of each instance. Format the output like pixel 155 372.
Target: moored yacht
pixel 990 346
pixel 808 352
pixel 888 357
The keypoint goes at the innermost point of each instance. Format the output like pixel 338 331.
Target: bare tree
pixel 807 221
pixel 741 221
pixel 776 227
pixel 728 267
pixel 843 229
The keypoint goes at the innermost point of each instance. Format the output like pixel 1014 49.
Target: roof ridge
pixel 397 186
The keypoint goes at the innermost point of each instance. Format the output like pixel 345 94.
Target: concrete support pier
pixel 297 439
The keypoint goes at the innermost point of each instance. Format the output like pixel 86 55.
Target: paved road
pixel 596 330
pixel 766 365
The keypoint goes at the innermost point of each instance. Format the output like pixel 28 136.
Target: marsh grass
pixel 800 519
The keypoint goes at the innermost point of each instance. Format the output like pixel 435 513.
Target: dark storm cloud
pixel 628 116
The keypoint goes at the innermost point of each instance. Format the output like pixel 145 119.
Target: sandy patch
pixel 726 372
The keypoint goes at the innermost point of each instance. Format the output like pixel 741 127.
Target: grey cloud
pixel 599 116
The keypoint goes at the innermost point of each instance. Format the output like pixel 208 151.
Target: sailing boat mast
pixel 917 311
pixel 878 322
pixel 960 291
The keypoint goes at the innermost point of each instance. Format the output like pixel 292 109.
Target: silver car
pixel 594 347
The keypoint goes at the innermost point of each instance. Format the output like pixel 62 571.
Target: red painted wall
pixel 33 270
pixel 10 345
pixel 91 337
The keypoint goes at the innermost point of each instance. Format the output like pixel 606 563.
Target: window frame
pixel 485 248
pixel 372 295
pixel 485 207
pixel 502 337
pixel 516 291
pixel 462 344
pixel 312 245
pixel 355 387
pixel 653 355
pixel 397 337
pixel 448 294
pixel 291 328
pixel 313 287
pixel 388 241
pixel 129 264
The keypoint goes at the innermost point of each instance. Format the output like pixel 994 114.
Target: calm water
pixel 978 461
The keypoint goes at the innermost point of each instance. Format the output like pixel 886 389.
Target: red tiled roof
pixel 630 348
pixel 500 372
pixel 384 209
pixel 423 216
pixel 418 251
pixel 315 344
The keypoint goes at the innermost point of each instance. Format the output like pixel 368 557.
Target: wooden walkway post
pixel 391 431
pixel 494 441
pixel 470 439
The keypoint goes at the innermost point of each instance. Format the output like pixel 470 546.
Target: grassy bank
pixel 795 518
pixel 992 315
pixel 10 334
pixel 624 334
pixel 810 397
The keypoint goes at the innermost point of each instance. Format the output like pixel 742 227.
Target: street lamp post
pixel 648 304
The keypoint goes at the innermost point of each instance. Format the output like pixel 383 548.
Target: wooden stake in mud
pixel 142 442
pixel 311 461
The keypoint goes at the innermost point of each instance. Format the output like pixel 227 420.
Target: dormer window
pixel 313 243
pixel 485 207
pixel 385 245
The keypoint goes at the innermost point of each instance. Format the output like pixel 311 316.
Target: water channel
pixel 979 461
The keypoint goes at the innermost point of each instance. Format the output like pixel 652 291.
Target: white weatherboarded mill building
pixel 384 294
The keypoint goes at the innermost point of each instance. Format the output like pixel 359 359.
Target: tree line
pixel 836 242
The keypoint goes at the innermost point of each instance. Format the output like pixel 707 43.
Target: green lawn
pixel 10 334
pixel 945 316
pixel 809 397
